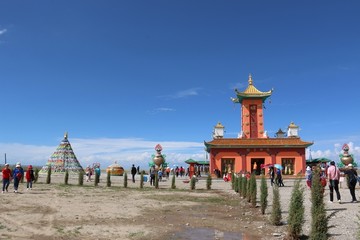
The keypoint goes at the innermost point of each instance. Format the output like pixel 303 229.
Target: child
pixel 160 174
pixel 29 177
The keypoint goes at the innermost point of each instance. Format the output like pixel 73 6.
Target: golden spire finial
pixel 66 135
pixel 250 79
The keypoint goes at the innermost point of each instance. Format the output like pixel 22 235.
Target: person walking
pixel 88 173
pixel 6 174
pixel 272 175
pixel 160 174
pixel 133 172
pixel 352 180
pixel 29 177
pixel 98 172
pixel 333 174
pixel 152 175
pixel 308 176
pixel 279 179
pixel 18 173
pixel 167 173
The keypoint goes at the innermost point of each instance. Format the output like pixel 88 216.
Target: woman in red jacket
pixel 6 173
pixel 29 177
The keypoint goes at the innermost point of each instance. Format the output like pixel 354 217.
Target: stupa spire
pixel 250 79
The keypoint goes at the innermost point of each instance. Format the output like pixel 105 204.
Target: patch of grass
pixel 70 232
pixel 76 230
pixel 2 226
pixel 175 197
pixel 59 229
pixel 136 234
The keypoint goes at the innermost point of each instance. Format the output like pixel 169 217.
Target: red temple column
pixel 243 162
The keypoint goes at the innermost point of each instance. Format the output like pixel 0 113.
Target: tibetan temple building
pixel 254 149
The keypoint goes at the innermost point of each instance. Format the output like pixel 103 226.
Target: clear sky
pixel 122 76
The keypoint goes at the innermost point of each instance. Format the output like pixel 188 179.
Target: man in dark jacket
pixel 352 180
pixel 133 172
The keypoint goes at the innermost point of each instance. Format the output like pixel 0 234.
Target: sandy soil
pixel 58 211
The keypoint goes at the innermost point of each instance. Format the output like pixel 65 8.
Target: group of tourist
pixel 160 172
pixel 331 174
pixel 276 177
pixel 89 171
pixel 16 175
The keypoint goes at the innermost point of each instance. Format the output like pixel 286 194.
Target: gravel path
pixel 344 222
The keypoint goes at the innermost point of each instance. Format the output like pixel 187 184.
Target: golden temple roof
pixel 292 125
pixel 219 125
pixel 251 92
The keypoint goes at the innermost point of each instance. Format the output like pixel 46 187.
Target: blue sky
pixel 122 76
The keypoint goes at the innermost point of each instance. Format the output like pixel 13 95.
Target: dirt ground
pixel 58 211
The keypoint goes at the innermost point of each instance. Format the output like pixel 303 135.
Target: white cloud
pixel 107 150
pixel 128 151
pixel 183 94
pixel 161 109
pixel 3 31
pixel 186 93
pixel 333 154
pixel 345 68
pixel 165 109
pixel 239 86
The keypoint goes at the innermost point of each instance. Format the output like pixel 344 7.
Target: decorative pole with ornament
pixel 346 158
pixel 159 162
pixel 158 159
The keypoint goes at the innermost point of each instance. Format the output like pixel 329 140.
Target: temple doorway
pixel 227 165
pixel 288 164
pixel 256 165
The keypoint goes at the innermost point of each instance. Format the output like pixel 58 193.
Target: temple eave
pixel 252 95
pixel 257 143
pixel 257 146
pixel 241 96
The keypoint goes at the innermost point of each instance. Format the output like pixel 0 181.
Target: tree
pixel 208 182
pixel 66 178
pixel 81 178
pixel 253 190
pixel 240 185
pixel 36 175
pixel 48 177
pixel 173 186
pixel 232 180
pixel 142 180
pixel 125 180
pixel 244 187
pixel 97 178
pixel 248 193
pixel 319 220
pixel 296 212
pixel 156 180
pixel 235 183
pixel 263 194
pixel 193 183
pixel 108 179
pixel 275 217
